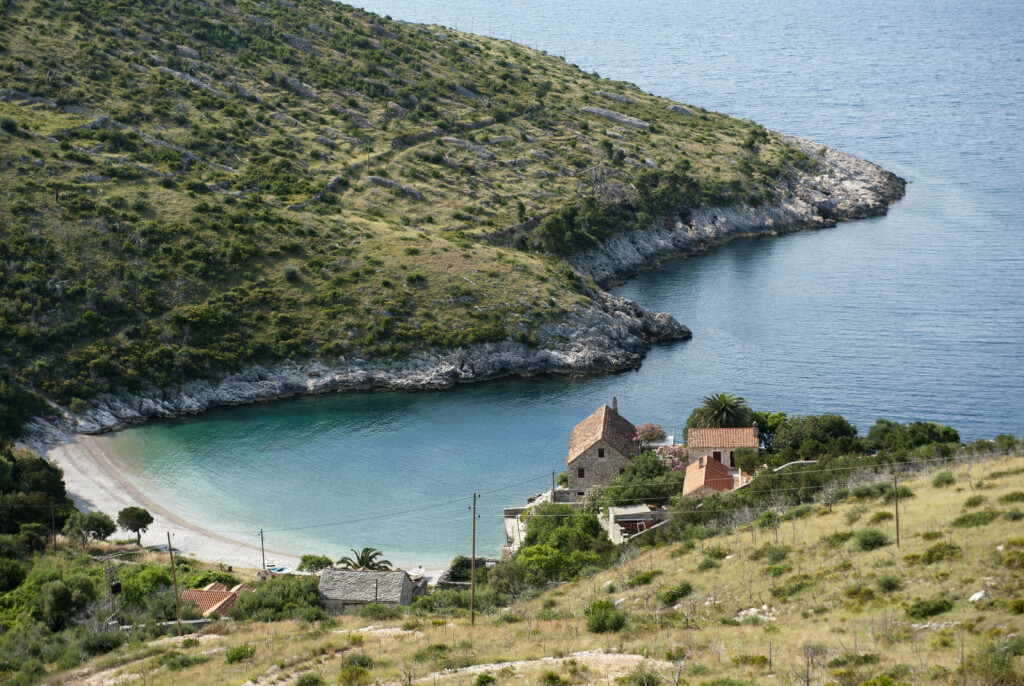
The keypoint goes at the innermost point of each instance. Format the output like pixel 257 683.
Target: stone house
pixel 352 589
pixel 720 444
pixel 600 449
pixel 706 475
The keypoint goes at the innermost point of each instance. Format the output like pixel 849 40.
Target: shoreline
pixel 94 482
pixel 613 334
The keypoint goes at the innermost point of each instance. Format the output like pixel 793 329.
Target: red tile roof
pixel 745 437
pixel 706 472
pixel 213 599
pixel 605 424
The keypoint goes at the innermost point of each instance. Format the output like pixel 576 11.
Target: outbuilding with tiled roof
pixel 351 589
pixel 600 449
pixel 706 475
pixel 720 443
pixel 213 598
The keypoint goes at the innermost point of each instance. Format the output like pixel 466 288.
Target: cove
pixel 917 315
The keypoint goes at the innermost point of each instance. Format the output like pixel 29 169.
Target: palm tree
pixel 365 559
pixel 721 410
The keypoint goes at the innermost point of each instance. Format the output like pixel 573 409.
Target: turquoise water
pixel 916 315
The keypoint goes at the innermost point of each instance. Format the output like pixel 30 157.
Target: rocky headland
pixel 612 334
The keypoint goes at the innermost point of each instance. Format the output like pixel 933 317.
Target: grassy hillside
pixel 813 601
pixel 188 186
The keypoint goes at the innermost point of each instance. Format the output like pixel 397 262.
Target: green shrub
pixel 309 679
pixel 974 501
pixel 359 660
pixel 995 664
pixel 672 594
pixel 176 661
pixel 378 612
pixel 708 563
pixel 11 575
pixel 870 539
pixel 717 552
pixel 602 617
pixel 1012 497
pixel 943 479
pixel 551 678
pixel 240 653
pixel 750 660
pixel 882 516
pixel 1016 606
pixel 8 125
pixel 923 608
pixel 890 583
pixel 870 491
pixel 773 553
pixel 354 675
pixel 1014 515
pixel 837 539
pixel 973 519
pixel 484 679
pixel 941 551
pixel 643 578
pixel 792 586
pixel 903 492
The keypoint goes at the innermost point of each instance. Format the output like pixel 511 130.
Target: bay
pixel 917 315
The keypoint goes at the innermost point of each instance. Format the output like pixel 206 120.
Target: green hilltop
pixel 194 187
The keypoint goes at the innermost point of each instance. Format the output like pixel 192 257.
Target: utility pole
pixel 472 571
pixel 174 576
pixel 552 485
pixel 896 502
pixel 263 553
pixel 53 528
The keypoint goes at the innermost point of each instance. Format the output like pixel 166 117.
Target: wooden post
pixel 263 553
pixel 896 502
pixel 174 576
pixel 472 571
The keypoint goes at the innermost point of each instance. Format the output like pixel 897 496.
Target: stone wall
pixel 597 470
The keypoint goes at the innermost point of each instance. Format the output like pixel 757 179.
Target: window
pixel 579 473
pixel 621 471
pixel 600 452
pixel 717 455
pixel 580 493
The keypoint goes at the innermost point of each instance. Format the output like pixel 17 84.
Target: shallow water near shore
pixel 918 315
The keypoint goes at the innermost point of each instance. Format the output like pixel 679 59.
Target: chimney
pixel 615 403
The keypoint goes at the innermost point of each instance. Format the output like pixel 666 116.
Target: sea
pixel 916 315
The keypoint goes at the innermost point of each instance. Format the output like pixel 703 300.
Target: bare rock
pixel 679 109
pixel 298 42
pixel 614 96
pixel 396 110
pixel 394 185
pixel 617 117
pixel 187 52
pixel 382 32
pixel 465 92
pixel 479 151
pixel 299 88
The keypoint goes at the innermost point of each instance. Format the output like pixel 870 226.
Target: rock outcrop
pixel 843 188
pixel 611 334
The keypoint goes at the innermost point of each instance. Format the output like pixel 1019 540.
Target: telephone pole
pixel 896 502
pixel 263 553
pixel 174 576
pixel 472 571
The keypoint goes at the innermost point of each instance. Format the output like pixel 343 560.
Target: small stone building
pixel 348 589
pixel 720 443
pixel 706 475
pixel 214 597
pixel 622 523
pixel 600 449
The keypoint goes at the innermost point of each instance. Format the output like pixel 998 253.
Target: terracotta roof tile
pixel 210 600
pixel 707 471
pixel 745 437
pixel 605 423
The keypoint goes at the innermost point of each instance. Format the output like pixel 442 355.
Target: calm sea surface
pixel 918 315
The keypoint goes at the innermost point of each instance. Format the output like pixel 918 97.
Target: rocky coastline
pixel 612 334
pixel 843 188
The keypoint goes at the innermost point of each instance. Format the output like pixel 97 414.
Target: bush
pixel 903 492
pixel 881 516
pixel 837 539
pixel 941 551
pixel 773 553
pixel 870 539
pixel 378 612
pixel 973 519
pixel 943 479
pixel 484 679
pixel 974 501
pixel 1013 497
pixel 281 598
pixel 309 679
pixel 602 617
pixel 11 575
pixel 643 578
pixel 240 653
pixel 672 594
pixel 708 563
pixel 921 608
pixel 994 664
pixel 8 125
pixel 890 583
pixel 176 661
pixel 353 675
pixel 359 660
pixel 103 642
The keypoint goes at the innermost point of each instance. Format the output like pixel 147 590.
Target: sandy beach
pixel 94 482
